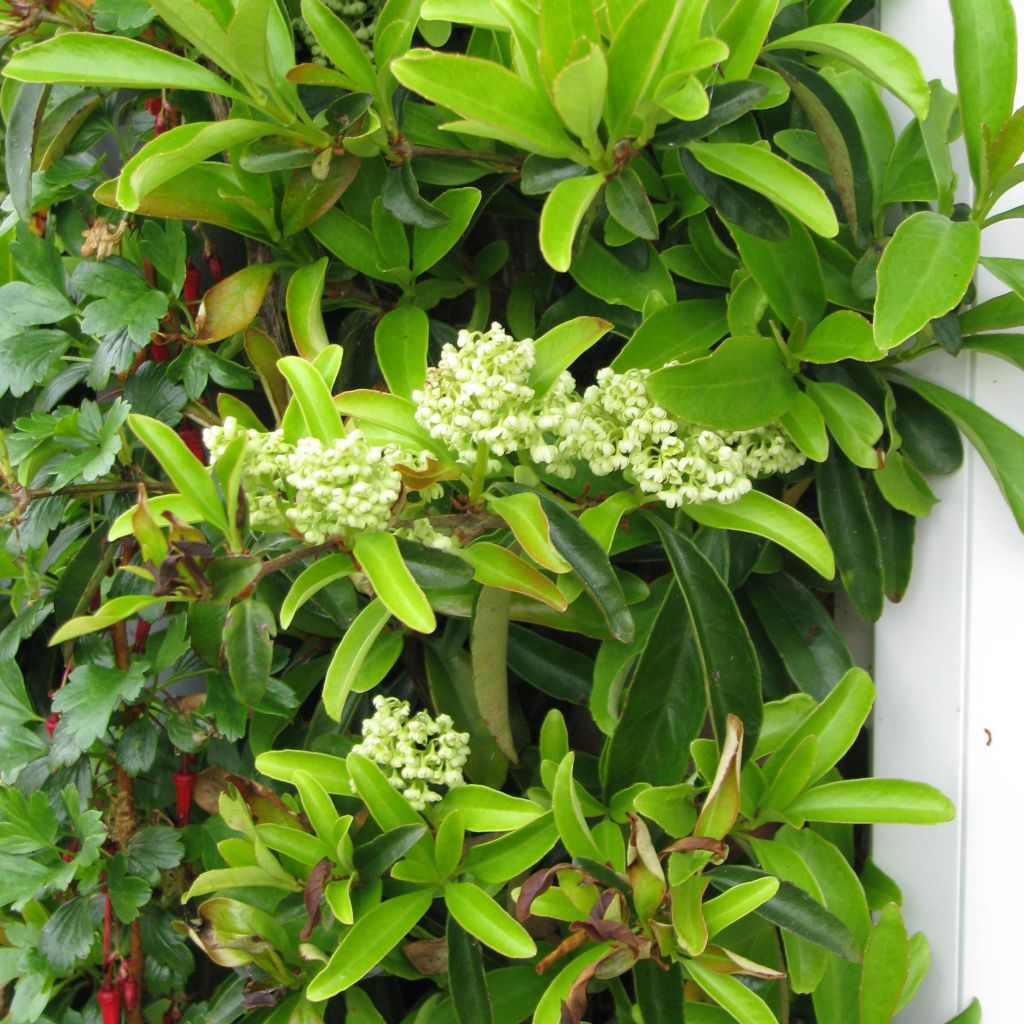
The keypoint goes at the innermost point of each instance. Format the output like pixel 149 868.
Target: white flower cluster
pixel 319 490
pixel 479 395
pixel 415 751
pixel 616 426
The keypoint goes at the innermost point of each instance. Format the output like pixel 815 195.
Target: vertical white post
pixel 949 669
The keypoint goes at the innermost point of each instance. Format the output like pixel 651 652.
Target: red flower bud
pixel 193 441
pixel 158 351
pixel 190 293
pixel 184 783
pixel 51 722
pixel 109 1000
pixel 154 105
pixel 141 635
pixel 129 992
pixel 216 270
pixel 160 125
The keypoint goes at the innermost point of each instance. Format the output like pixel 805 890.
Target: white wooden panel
pixel 948 666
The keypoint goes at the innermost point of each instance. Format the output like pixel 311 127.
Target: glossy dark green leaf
pixel 732 676
pixel 851 532
pixel 794 910
pixel 433 569
pixel 372 859
pixel 659 992
pixel 25 116
pixel 801 631
pixel 552 668
pixel 999 445
pixel 591 566
pixel 664 707
pixel 736 203
pixel 628 204
pixel 471 999
pixel 729 101
pixel 540 174
pixel 896 532
pixel 401 196
pixel 249 646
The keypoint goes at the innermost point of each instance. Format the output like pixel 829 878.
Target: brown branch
pixel 93 490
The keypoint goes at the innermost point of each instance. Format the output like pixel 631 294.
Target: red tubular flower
pixel 109 1000
pixel 190 292
pixel 51 722
pixel 184 783
pixel 216 270
pixel 193 439
pixel 158 351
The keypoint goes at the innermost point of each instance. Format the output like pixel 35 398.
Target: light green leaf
pixel 302 302
pixel 578 91
pixel 86 58
pixel 873 802
pixel 842 335
pixel 742 384
pixel 805 424
pixel 368 941
pixel 851 421
pixel 985 52
pixel 483 917
pixel 115 610
pixel 431 244
pixel 498 102
pixel 489 810
pixel 311 392
pixel 679 331
pixel 886 963
pixel 400 341
pixel 488 645
pixel 556 350
pixel 175 151
pixel 564 210
pixel 311 580
pixel 743 1005
pixel 737 902
pixel 495 566
pixel 923 273
pixel 529 525
pixel 232 304
pixel 573 830
pixel 340 45
pixel 759 169
pixel 765 516
pixel 379 557
pixel 350 656
pixel 284 765
pixel 878 56
pixel 186 472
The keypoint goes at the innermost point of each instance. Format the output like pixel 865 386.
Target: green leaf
pixel 497 103
pixel 396 416
pixel 743 30
pixel 67 936
pixel 598 271
pixel 549 1007
pixel 880 57
pixel 761 170
pixel 373 858
pixel 489 652
pixel 680 331
pixel 483 809
pixel 665 705
pixel 731 100
pixel 851 421
pixel 628 203
pixel 529 525
pixel 834 725
pixel 186 472
pixel 467 979
pixel 495 566
pixel 789 272
pixel 23 122
pixel 115 610
pixel 302 301
pixel 482 917
pixel 176 151
pixel 873 802
pixel 400 342
pixel 578 91
pixel 561 216
pixel 308 199
pixel 86 702
pixel 851 532
pixel 386 805
pixel 368 941
pixel 1001 447
pixel 742 384
pixel 985 52
pixel 842 335
pixel 972 1015
pixel 573 830
pixel 378 556
pixel 86 58
pixel 328 770
pixel 886 963
pixel 765 516
pixel 313 396
pixel 500 860
pixel 805 424
pixel 558 671
pixel 431 244
pixel 792 908
pixel 310 581
pixel 232 304
pixel 659 992
pixel 125 301
pixel 27 358
pixel 744 1005
pixel 924 272
pixel 556 350
pixel 1005 346
pixel 249 646
pixel 737 902
pixel 801 631
pixel 340 45
pixel 903 486
pixel 732 677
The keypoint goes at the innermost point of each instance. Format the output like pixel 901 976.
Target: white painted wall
pixel 950 672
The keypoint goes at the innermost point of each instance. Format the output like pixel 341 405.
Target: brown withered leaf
pixel 313 893
pixel 536 885
pixel 575 1004
pixel 428 956
pixel 691 843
